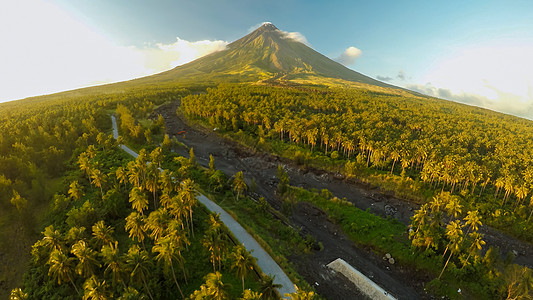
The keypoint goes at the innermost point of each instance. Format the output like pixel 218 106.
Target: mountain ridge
pixel 265 53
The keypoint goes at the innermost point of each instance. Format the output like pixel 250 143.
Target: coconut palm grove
pixel 83 219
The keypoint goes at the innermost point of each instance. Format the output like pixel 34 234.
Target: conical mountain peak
pixel 265 53
pixel 267 26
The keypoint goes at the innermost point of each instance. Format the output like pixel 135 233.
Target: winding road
pixel 264 260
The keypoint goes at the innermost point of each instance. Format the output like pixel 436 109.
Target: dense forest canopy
pixel 482 155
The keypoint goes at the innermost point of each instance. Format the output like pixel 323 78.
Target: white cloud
pixel 295 36
pixel 506 103
pixel 349 56
pixel 497 77
pixel 166 56
pixel 45 50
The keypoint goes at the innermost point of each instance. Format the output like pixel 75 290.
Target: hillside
pixel 269 94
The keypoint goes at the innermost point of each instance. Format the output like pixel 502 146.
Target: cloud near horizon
pixel 495 76
pixel 61 53
pixel 166 56
pixel 504 102
pixel 349 56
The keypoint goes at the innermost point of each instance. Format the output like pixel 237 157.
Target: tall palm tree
pixel 87 260
pixel 178 236
pixel 138 200
pixel 103 234
pixel 214 241
pixel 268 288
pixel 98 179
pixel 95 289
pixel 455 235
pixel 61 267
pixel 453 232
pixel 75 190
pixel 52 239
pixel 152 181
pixel 477 244
pixel 188 197
pixel 139 262
pixel 85 164
pixel 215 287
pixel 242 262
pixel 167 253
pixel 166 182
pixel 239 185
pixel 157 223
pixel 114 262
pixel 135 226
pixel 452 206
pixel 473 220
pixel 134 174
pixel 121 174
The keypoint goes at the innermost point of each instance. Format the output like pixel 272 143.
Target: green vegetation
pixel 96 245
pixel 414 146
pixel 481 277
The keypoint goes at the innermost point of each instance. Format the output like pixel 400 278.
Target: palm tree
pixel 135 226
pixel 188 197
pixel 85 164
pixel 115 264
pixel 134 173
pixel 61 267
pixel 214 240
pixel 75 192
pixel 238 184
pixel 138 200
pixel 300 295
pixel 473 220
pixel 52 239
pixel 121 174
pixel 251 295
pixel 131 294
pixel 477 244
pixel 268 288
pixel 156 157
pixel 139 263
pixel 152 181
pixel 455 235
pixel 167 253
pixel 215 287
pixel 242 262
pixel 98 179
pixel 166 182
pixel 17 294
pixel 452 206
pixel 86 259
pixel 453 230
pixel 95 289
pixel 103 234
pixel 157 223
pixel 180 241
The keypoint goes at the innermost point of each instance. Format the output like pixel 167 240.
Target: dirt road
pixel 402 283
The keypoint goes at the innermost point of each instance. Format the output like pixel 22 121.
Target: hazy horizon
pixel 476 53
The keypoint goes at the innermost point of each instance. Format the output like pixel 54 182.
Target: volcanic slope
pixel 265 53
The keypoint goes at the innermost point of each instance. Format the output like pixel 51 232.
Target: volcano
pixel 265 54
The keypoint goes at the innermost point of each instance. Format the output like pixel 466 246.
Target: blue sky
pixel 478 52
